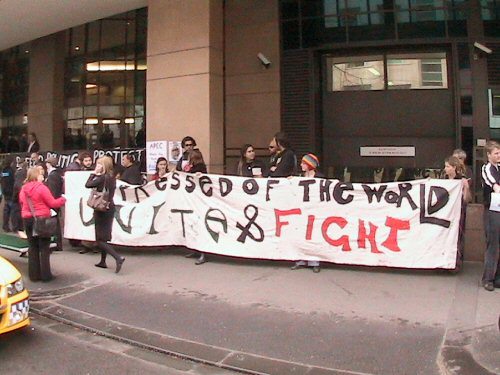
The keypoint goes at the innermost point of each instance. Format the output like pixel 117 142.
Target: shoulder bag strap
pixel 30 203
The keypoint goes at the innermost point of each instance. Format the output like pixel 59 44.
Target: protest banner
pixel 412 224
pixel 64 158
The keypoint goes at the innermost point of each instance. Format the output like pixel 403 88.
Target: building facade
pixel 379 89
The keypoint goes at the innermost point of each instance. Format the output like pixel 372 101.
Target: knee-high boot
pixel 108 249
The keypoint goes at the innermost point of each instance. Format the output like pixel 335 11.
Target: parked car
pixel 14 298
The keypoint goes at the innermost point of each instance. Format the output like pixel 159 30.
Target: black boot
pixel 102 263
pixel 119 263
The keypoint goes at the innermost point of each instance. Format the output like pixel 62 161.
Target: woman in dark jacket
pixel 101 179
pixel 36 197
pixel 196 163
pixel 248 166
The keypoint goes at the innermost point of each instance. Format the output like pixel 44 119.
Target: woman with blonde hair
pixel 36 201
pixel 454 169
pixel 102 179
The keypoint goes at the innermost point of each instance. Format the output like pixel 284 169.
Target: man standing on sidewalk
pixel 55 184
pixel 490 175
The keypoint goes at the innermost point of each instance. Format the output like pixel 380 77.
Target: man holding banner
pixel 490 176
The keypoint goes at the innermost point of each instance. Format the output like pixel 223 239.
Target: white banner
pixel 412 224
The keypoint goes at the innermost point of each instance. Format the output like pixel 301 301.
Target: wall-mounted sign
pixel 405 151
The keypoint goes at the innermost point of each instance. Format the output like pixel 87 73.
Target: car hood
pixel 8 273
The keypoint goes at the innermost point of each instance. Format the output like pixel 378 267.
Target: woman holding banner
pixel 102 179
pixel 161 168
pixel 309 166
pixel 196 164
pixel 248 166
pixel 454 169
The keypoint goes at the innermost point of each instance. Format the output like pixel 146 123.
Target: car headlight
pixel 15 288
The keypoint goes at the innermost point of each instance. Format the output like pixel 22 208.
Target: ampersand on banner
pixel 245 230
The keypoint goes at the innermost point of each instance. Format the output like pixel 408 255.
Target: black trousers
pixel 7 213
pixel 38 254
pixel 15 217
pixel 491 271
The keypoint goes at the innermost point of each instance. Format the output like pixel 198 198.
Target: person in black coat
pixel 7 183
pixel 33 145
pixel 131 173
pixel 196 164
pixel 55 183
pixel 188 144
pixel 285 163
pixel 19 177
pixel 101 179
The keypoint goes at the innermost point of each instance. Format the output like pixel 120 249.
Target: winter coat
pixel 41 198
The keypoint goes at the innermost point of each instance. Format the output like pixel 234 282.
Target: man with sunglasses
pixel 188 144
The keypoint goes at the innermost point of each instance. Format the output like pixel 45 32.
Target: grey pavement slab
pixel 359 319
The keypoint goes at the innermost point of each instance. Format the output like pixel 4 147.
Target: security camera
pixel 264 60
pixel 483 48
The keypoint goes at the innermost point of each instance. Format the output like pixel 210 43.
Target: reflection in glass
pixel 419 71
pixel 357 73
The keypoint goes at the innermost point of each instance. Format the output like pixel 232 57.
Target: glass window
pixel 356 73
pixel 418 71
pixel 106 83
pixel 495 102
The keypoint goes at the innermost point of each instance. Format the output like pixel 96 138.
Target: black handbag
pixel 45 227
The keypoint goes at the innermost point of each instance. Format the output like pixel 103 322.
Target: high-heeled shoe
pixel 119 263
pixel 101 265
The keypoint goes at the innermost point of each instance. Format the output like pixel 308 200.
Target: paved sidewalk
pixel 261 317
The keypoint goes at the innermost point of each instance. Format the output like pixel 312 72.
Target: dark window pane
pixel 463 56
pixel 466 105
pixel 290 35
pixel 492 28
pixel 289 9
pixel 93 37
pixel 313 8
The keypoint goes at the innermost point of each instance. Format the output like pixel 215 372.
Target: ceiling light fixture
pixel 111 121
pixel 91 121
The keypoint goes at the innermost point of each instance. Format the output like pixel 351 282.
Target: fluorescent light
pixel 90 86
pixel 113 66
pixel 129 120
pixel 111 121
pixel 91 121
pixel 374 71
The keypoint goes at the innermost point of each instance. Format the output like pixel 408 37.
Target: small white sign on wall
pixel 374 151
pixel 154 150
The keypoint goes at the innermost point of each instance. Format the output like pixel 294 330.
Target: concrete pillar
pixel 46 91
pixel 253 93
pixel 185 75
pixel 479 73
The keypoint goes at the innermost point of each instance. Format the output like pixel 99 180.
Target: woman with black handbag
pixel 36 201
pixel 103 181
